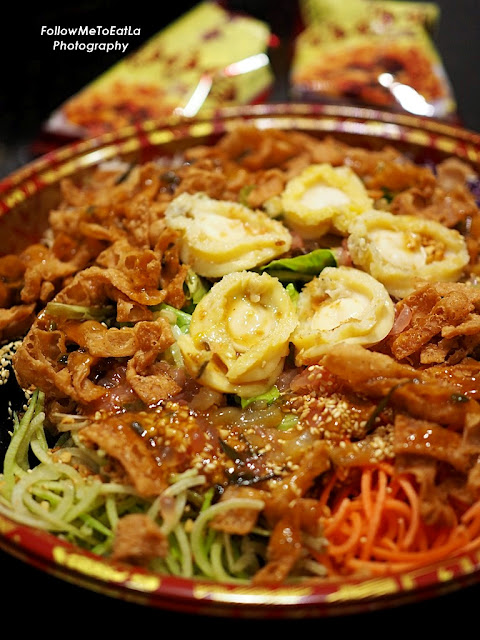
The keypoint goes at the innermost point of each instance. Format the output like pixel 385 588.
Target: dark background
pixel 35 80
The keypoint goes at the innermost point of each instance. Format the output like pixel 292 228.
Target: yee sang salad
pixel 255 361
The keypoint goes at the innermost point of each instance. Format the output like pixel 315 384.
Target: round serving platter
pixel 28 194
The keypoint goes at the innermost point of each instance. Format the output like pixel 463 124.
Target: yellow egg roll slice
pixel 218 236
pixel 323 198
pixel 239 334
pixel 404 251
pixel 342 304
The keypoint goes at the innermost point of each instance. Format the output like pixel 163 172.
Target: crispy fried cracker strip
pixel 378 375
pixel 238 521
pixel 435 309
pixel 42 266
pixel 151 380
pixel 41 362
pixel 16 320
pixel 117 437
pixel 367 372
pixel 426 438
pixel 138 540
pixel 286 545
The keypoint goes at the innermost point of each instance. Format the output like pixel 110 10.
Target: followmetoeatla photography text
pixel 90 38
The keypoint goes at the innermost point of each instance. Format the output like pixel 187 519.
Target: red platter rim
pixel 50 554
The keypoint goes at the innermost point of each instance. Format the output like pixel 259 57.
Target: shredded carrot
pixel 376 515
pixel 366 491
pixel 352 540
pixel 338 516
pixel 377 527
pixel 414 504
pixel 327 490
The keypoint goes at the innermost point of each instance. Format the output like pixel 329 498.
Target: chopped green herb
pixel 388 194
pixel 268 397
pixel 179 317
pixel 292 292
pixel 459 397
pixel 288 422
pixel 244 193
pixel 195 288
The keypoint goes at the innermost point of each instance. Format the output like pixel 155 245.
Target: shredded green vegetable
pixel 77 312
pixel 40 487
pixel 177 317
pixel 196 288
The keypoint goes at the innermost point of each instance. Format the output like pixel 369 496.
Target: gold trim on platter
pixel 162 136
pixel 88 566
pixel 369 589
pixel 252 595
pixel 99 569
pixel 6 526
